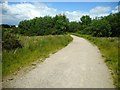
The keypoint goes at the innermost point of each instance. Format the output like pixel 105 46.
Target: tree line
pixel 7 26
pixel 60 24
pixel 107 26
pixel 48 25
pixel 44 25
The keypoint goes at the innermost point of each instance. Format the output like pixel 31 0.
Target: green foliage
pixel 87 30
pixel 100 28
pixel 85 24
pixel 114 20
pixel 10 41
pixel 86 20
pixel 34 48
pixel 7 26
pixel 44 25
pixel 61 24
pixel 74 26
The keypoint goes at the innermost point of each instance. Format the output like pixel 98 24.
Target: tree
pixel 114 20
pixel 61 24
pixel 44 25
pixel 74 26
pixel 86 20
pixel 85 23
pixel 100 28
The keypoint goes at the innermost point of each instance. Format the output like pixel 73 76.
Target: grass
pixel 35 48
pixel 109 49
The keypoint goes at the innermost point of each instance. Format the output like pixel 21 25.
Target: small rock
pixel 10 79
pixel 33 64
pixel 14 73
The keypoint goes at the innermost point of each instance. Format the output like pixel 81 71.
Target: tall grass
pixel 109 49
pixel 35 48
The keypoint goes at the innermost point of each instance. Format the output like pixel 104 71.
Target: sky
pixel 14 12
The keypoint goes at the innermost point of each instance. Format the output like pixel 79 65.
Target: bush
pixel 10 41
pixel 101 28
pixel 87 30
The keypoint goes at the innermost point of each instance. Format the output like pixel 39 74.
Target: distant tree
pixel 61 24
pixel 100 28
pixel 7 26
pixel 86 20
pixel 114 20
pixel 74 26
pixel 85 24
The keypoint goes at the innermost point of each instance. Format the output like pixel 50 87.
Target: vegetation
pixel 74 27
pixel 34 48
pixel 10 41
pixel 109 49
pixel 101 27
pixel 44 26
pixel 98 27
pixel 7 26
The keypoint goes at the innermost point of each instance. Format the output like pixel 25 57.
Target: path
pixel 78 65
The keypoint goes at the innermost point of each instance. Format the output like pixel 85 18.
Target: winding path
pixel 78 65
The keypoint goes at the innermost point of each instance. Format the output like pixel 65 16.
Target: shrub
pixel 101 28
pixel 87 30
pixel 10 41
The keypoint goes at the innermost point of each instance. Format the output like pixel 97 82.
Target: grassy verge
pixel 35 48
pixel 109 49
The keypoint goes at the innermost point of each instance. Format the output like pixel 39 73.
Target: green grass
pixel 109 49
pixel 35 48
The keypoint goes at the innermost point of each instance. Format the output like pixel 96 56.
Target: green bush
pixel 87 30
pixel 101 28
pixel 44 26
pixel 10 41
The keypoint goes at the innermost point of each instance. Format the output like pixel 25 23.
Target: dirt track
pixel 79 65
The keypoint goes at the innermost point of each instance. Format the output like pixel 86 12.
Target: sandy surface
pixel 79 65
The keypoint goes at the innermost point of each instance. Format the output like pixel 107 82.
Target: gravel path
pixel 78 65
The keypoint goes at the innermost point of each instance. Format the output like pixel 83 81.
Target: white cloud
pixel 14 13
pixel 29 11
pixel 96 15
pixel 100 10
pixel 116 9
pixel 74 15
pixel 25 11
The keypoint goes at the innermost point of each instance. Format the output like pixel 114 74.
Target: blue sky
pixel 14 12
pixel 72 6
pixel 82 6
